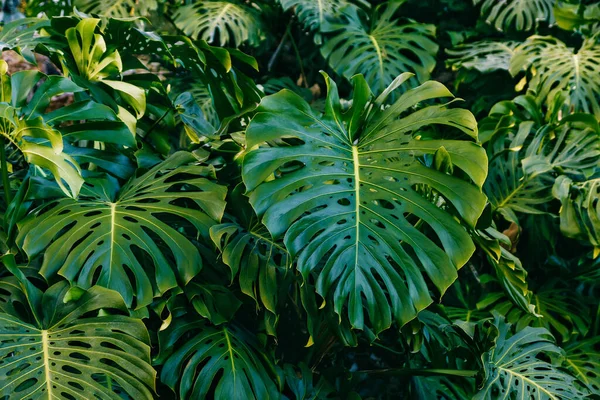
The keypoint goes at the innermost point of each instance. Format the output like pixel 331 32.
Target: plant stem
pixel 278 49
pixel 297 52
pixel 155 124
pixel 421 372
pixel 4 168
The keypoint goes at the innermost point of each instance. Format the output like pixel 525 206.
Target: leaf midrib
pixel 532 382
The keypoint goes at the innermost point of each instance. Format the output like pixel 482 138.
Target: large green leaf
pixel 127 239
pixel 219 22
pixel 71 352
pixel 522 15
pixel 201 361
pixel 556 68
pixel 583 360
pixel 345 191
pixel 381 50
pixel 517 367
pixel 484 56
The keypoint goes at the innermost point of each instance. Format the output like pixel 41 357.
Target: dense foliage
pixel 300 199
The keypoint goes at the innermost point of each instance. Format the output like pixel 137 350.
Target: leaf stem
pixel 298 58
pixel 420 372
pixel 4 168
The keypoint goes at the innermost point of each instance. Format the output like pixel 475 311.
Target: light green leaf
pixel 116 8
pixel 219 22
pixel 522 15
pixel 342 189
pixel 556 68
pixel 485 56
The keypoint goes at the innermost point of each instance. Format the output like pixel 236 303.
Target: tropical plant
pixel 390 199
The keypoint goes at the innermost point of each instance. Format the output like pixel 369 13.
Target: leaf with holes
pixel 381 52
pixel 485 56
pixel 522 15
pixel 516 367
pixel 313 13
pixel 219 22
pixel 583 360
pixel 201 361
pixel 345 191
pixel 556 68
pixel 69 354
pixel 116 8
pixel 128 238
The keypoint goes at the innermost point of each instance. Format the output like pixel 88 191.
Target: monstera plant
pixel 299 199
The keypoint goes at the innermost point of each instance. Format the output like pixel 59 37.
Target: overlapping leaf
pixel 583 360
pixel 344 196
pixel 580 211
pixel 526 157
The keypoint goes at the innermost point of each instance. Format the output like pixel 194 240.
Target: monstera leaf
pixel 312 13
pixel 116 8
pixel 583 360
pixel 381 52
pixel 580 211
pixel 485 56
pixel 345 191
pixel 71 352
pixel 517 367
pixel 556 68
pixel 214 362
pixel 526 158
pixel 219 22
pixel 522 15
pixel 127 238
